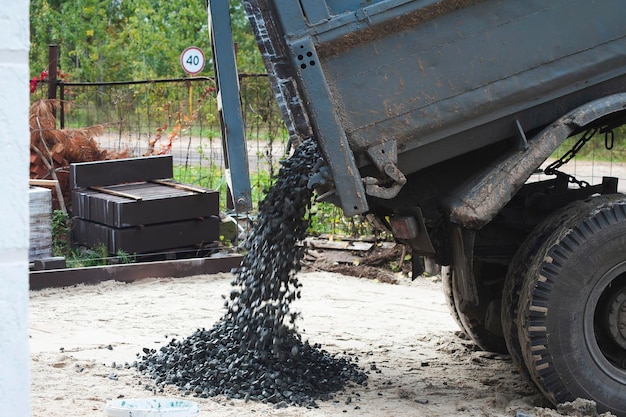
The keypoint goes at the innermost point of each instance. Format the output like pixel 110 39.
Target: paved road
pixel 196 151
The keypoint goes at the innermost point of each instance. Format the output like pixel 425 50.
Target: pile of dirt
pixel 359 271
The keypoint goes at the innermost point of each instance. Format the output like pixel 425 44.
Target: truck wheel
pixel 446 280
pixel 518 269
pixel 572 309
pixel 477 322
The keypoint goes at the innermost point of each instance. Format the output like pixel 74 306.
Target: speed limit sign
pixel 192 60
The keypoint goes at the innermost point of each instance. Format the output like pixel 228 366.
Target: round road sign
pixel 192 60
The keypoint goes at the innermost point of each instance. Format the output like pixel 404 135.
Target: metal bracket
pixel 315 11
pixel 362 15
pixel 410 225
pixel 385 157
pixel 521 135
pixel 328 129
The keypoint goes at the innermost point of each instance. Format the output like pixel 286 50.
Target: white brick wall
pixel 14 144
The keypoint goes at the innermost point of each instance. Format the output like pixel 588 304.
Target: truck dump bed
pixel 390 87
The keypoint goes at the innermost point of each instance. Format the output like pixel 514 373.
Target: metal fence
pixel 180 116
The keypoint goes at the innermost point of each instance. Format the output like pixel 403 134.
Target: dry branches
pixel 53 150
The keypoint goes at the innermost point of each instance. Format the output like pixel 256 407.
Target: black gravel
pixel 254 352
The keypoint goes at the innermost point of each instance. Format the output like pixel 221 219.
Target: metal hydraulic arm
pixel 229 105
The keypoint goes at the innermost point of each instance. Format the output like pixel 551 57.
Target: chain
pixel 609 139
pixel 553 168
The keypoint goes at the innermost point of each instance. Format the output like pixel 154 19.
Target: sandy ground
pixel 82 337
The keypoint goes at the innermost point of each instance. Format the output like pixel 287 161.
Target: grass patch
pixel 80 257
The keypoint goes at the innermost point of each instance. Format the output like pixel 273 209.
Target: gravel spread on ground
pixel 254 352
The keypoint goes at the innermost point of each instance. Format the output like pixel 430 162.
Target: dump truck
pixel 433 118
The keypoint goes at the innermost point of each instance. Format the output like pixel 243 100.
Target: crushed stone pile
pixel 255 352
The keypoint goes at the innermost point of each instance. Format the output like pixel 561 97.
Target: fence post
pixel 53 63
pixel 61 104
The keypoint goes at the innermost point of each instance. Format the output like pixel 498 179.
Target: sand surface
pixel 81 339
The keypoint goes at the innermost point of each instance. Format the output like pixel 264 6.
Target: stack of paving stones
pixel 254 352
pixel 134 205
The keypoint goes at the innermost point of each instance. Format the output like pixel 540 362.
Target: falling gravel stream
pixel 254 351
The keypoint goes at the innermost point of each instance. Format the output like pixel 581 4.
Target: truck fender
pixel 477 201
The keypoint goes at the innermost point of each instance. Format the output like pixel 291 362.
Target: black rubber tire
pixel 446 280
pixel 472 321
pixel 518 269
pixel 580 265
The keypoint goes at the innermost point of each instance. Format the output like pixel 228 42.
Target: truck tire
pixel 572 308
pixel 474 321
pixel 518 269
pixel 446 280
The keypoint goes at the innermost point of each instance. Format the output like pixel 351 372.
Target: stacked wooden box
pixel 133 205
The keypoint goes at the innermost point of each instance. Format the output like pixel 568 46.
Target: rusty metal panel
pixel 118 171
pixel 153 203
pixel 145 239
pixel 133 272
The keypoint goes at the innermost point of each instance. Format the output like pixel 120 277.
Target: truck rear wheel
pixel 518 269
pixel 477 322
pixel 571 316
pixel 446 280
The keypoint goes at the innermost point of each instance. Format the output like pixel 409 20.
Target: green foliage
pixel 326 218
pixel 60 234
pixel 123 257
pixel 98 256
pixel 124 40
pixel 82 257
pixel 212 177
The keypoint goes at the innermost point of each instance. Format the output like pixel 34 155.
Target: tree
pixel 112 40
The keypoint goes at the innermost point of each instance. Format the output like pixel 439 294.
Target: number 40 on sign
pixel 192 60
